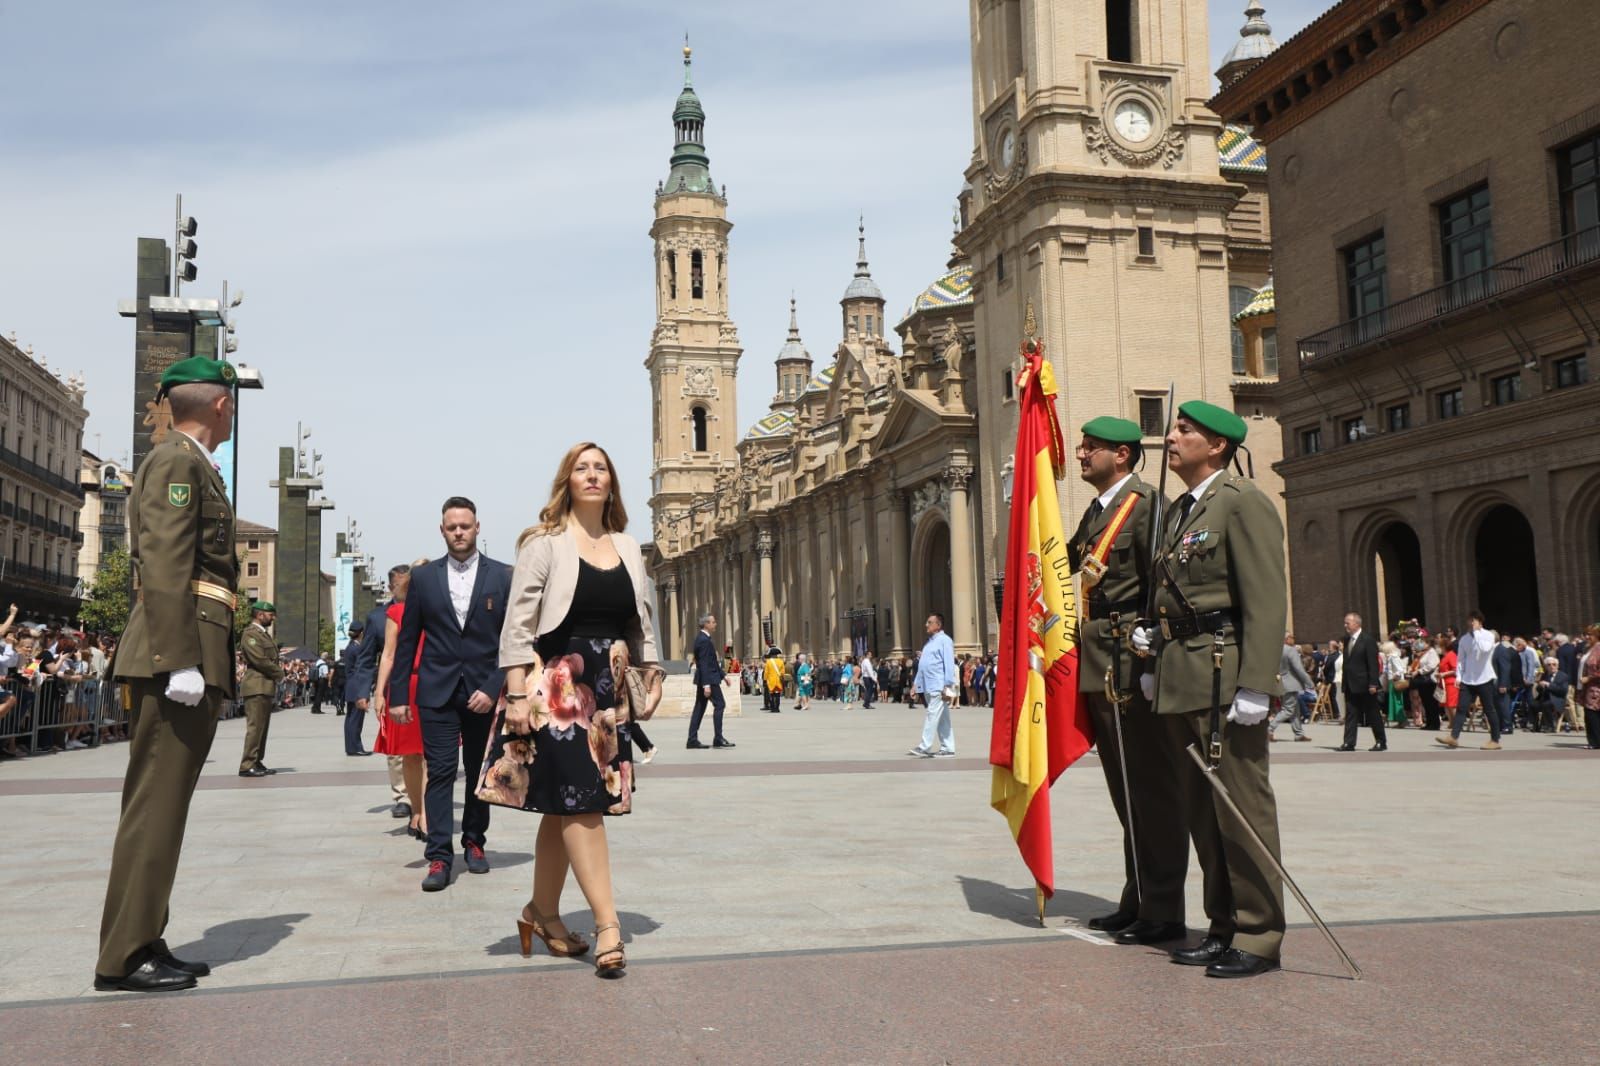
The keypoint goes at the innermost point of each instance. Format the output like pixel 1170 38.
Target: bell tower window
pixel 697 278
pixel 1119 30
pixel 672 275
pixel 698 417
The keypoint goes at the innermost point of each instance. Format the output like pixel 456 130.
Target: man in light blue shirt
pixel 936 679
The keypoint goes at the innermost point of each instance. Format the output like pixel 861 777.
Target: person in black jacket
pixel 708 677
pixel 1361 686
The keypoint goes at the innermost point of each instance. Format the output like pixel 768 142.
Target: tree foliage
pixel 325 637
pixel 105 608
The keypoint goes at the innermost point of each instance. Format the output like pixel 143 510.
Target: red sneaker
pixel 438 877
pixel 476 863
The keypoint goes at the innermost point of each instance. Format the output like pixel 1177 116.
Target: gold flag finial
pixel 1030 327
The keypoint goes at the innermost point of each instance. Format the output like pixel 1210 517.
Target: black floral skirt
pixel 578 758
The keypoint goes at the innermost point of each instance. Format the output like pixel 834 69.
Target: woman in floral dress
pixel 577 619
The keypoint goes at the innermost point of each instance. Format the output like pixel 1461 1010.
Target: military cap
pixel 263 605
pixel 199 370
pixel 1112 430
pixel 1218 420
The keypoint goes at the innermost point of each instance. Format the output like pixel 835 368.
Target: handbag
pixel 639 680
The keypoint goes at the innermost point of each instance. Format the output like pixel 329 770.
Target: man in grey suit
pixel 1295 681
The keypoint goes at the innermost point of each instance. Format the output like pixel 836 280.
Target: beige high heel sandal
pixel 532 924
pixel 612 962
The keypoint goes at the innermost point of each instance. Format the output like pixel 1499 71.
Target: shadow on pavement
pixel 244 938
pixel 1018 905
pixel 634 925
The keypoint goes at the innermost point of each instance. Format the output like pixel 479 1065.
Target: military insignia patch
pixel 178 494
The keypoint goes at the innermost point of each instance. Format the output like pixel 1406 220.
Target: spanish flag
pixel 1040 725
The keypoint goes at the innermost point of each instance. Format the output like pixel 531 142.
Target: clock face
pixel 1008 149
pixel 1132 120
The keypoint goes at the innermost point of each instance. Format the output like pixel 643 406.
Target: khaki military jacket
pixel 1226 556
pixel 1125 581
pixel 181 530
pixel 261 667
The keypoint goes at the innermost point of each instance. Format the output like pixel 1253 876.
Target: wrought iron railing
pixel 1541 263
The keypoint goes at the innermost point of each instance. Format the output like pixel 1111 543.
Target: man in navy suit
pixel 356 689
pixel 708 677
pixel 457 602
pixel 361 676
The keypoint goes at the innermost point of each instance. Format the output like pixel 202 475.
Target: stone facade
pixel 258 559
pixel 1437 410
pixel 103 522
pixel 41 440
pixel 875 489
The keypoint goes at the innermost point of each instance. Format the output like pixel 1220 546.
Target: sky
pixel 439 214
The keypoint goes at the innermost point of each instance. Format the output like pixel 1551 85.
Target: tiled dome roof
pixel 1262 303
pixel 777 424
pixel 823 379
pixel 1240 151
pixel 951 289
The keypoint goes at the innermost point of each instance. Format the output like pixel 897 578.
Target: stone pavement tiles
pixel 812 896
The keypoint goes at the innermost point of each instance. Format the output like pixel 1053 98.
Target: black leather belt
pixel 1192 625
pixel 1099 608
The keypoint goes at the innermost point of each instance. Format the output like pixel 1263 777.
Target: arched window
pixel 672 275
pixel 697 277
pixel 1239 296
pixel 699 418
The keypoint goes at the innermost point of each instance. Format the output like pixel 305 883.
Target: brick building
pixel 1435 189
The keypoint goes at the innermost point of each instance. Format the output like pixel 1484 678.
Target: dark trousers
pixel 1160 823
pixel 1427 692
pixel 447 731
pixel 770 699
pixel 258 719
pixel 718 705
pixel 1361 708
pixel 1591 727
pixel 1486 696
pixel 319 692
pixel 167 749
pixel 355 717
pixel 869 692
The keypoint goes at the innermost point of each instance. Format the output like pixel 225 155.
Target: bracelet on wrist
pixel 516 696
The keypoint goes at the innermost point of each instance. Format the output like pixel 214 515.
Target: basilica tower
pixel 694 349
pixel 1094 193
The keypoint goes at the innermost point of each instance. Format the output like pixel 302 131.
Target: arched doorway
pixel 930 577
pixel 1397 568
pixel 1508 581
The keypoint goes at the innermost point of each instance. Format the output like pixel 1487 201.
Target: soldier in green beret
pixel 262 672
pixel 176 657
pixel 1110 551
pixel 1221 607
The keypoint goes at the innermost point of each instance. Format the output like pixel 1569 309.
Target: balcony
pixel 40 474
pixel 1547 262
pixel 39 576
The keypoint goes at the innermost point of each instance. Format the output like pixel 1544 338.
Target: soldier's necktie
pixel 1095 509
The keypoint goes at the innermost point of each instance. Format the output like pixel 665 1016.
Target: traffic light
pixel 187 248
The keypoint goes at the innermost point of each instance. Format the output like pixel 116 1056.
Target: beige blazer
pixel 542 585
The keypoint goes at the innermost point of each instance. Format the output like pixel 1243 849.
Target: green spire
pixel 691 169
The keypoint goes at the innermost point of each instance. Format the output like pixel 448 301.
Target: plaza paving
pixel 813 896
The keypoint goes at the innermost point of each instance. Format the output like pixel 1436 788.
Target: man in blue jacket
pixel 937 681
pixel 459 602
pixel 708 677
pixel 357 688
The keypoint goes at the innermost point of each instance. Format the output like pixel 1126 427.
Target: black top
pixel 602 604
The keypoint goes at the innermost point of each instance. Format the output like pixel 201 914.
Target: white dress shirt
pixel 1105 498
pixel 463 575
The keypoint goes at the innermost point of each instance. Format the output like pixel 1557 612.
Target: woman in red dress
pixel 401 733
pixel 1447 675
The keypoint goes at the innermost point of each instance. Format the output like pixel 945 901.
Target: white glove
pixel 1249 707
pixel 186 686
pixel 1147 685
pixel 1140 639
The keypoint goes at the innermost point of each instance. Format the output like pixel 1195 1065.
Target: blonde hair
pixel 553 518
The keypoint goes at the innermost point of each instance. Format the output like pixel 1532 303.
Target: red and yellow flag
pixel 1040 725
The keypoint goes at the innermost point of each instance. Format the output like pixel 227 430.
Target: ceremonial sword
pixel 1210 773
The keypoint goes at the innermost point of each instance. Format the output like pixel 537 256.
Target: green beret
pixel 199 370
pixel 1113 430
pixel 1218 420
pixel 263 605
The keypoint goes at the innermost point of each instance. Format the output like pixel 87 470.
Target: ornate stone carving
pixel 957 476
pixel 728 333
pixel 1168 148
pixel 996 184
pixel 765 543
pixel 699 381
pixel 926 496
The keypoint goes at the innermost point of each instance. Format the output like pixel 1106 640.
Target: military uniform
pixel 181 536
pixel 262 672
pixel 1221 569
pixel 1159 829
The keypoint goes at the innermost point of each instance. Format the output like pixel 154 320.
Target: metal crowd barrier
pixel 49 711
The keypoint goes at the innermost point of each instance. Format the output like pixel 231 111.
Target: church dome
pixel 950 289
pixel 862 287
pixel 1255 38
pixel 777 424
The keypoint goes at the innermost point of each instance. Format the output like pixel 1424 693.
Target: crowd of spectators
pixel 1542 683
pixel 848 678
